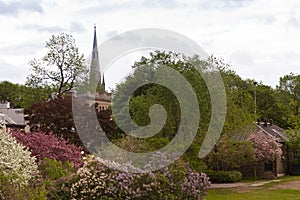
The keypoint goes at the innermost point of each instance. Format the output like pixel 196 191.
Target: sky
pixel 259 38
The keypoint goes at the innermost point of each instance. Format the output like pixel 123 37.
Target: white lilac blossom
pixel 97 181
pixel 15 159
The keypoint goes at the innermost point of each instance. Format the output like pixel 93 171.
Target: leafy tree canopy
pixel 61 68
pixel 22 96
pixel 240 103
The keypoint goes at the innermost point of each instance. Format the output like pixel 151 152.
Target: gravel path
pixel 295 185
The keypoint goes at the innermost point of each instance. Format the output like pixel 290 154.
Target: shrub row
pixel 224 176
pixel 97 181
pixel 60 173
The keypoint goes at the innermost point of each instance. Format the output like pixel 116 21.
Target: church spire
pixel 95 40
pixel 95 75
pixel 103 82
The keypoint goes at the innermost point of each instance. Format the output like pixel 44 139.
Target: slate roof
pixel 267 127
pixel 12 117
pixel 272 130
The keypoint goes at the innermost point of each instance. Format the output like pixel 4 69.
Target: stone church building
pixel 101 99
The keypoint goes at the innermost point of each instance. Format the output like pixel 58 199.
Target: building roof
pixel 272 130
pixel 12 117
pixel 267 127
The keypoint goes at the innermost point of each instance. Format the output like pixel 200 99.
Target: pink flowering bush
pixel 266 148
pixel 43 146
pixel 194 185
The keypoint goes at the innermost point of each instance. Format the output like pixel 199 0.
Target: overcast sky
pixel 260 38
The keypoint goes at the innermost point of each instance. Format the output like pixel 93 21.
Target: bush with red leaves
pixel 56 116
pixel 44 145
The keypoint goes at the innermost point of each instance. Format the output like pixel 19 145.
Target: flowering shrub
pixel 49 146
pixel 266 148
pixel 15 159
pixel 195 185
pixel 18 170
pixel 93 182
pixel 96 181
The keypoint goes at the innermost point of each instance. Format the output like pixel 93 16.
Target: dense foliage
pixel 43 145
pixel 224 156
pixel 58 178
pixel 99 182
pixel 56 116
pixel 290 87
pixel 224 176
pixel 240 103
pixel 11 190
pixel 22 96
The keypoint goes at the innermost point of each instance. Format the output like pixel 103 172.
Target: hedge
pixel 224 176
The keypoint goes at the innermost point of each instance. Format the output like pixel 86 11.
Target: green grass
pixel 264 194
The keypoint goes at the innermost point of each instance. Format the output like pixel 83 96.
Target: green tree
pixel 272 104
pixel 62 67
pixel 230 155
pixel 289 88
pixel 146 96
pixel 293 143
pixel 240 103
pixel 10 92
pixel 22 96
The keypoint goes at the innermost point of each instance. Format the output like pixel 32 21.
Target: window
pixel 269 166
pixel 295 155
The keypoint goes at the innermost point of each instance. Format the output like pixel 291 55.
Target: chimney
pixel 271 122
pixel 258 121
pixel 266 122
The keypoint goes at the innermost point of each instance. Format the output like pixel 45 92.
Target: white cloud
pixel 254 35
pixel 12 73
pixel 26 48
pixel 41 28
pixel 76 27
pixel 14 7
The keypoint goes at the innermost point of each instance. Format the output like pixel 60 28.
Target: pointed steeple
pixel 95 75
pixel 95 40
pixel 103 82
